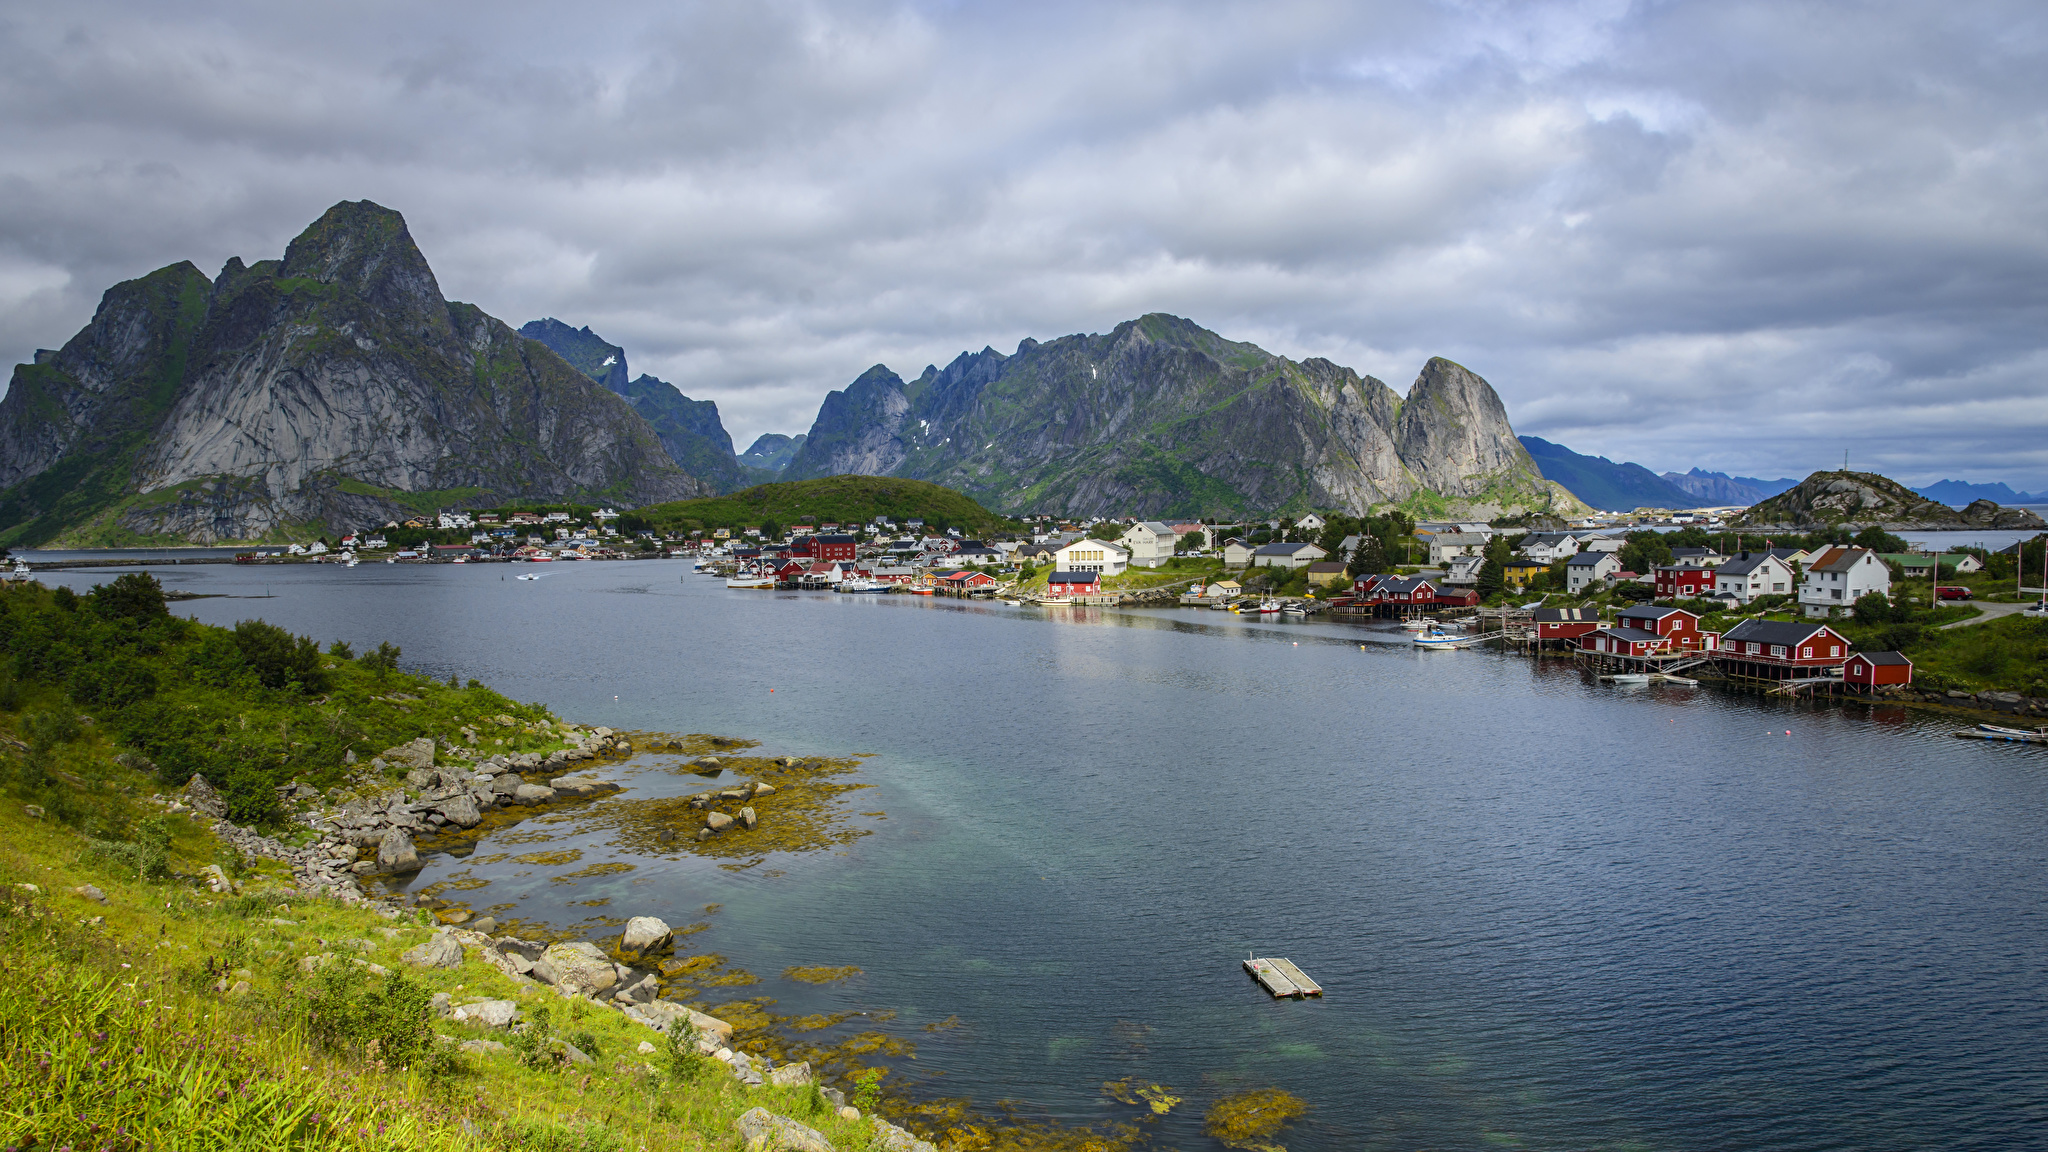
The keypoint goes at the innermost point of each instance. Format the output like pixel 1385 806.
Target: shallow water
pixel 1548 914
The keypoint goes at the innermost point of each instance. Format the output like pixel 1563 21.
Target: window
pixel 1806 653
pixel 1777 649
pixel 1834 649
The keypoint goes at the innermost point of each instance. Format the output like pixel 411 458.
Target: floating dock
pixel 2016 736
pixel 1282 978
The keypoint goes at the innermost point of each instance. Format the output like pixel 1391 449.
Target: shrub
pixel 534 1043
pixel 145 852
pixel 387 1019
pixel 132 596
pixel 114 682
pixel 384 659
pixel 682 1062
pixel 280 659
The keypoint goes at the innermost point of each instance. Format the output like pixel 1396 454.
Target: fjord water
pixel 1548 914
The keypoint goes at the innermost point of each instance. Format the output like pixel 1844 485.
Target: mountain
pixel 1957 493
pixel 1711 489
pixel 1860 498
pixel 1603 483
pixel 330 389
pixel 846 500
pixel 772 451
pixel 1160 417
pixel 690 429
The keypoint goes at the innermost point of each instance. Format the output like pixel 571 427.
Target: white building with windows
pixel 1750 575
pixel 1151 543
pixel 1091 555
pixel 1586 569
pixel 1838 577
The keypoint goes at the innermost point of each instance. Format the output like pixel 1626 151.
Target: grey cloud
pixel 1728 234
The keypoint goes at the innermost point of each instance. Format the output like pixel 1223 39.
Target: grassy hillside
pixel 834 499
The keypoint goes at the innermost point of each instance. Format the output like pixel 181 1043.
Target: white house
pixel 1086 555
pixel 1464 570
pixel 1150 542
pixel 1236 553
pixel 455 520
pixel 1311 523
pixel 1838 577
pixel 1296 555
pixel 1549 547
pixel 1447 546
pixel 1750 575
pixel 1589 568
pixel 1698 557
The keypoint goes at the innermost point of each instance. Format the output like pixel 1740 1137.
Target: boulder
pixel 395 853
pixel 717 821
pixel 746 1070
pixel 580 968
pixel 98 897
pixel 489 1013
pixel 480 1047
pixel 762 788
pixel 443 951
pixel 661 1015
pixel 571 1054
pixel 582 786
pixel 894 1139
pixel 646 1049
pixel 640 991
pixel 423 778
pixel 797 1075
pixel 201 796
pixel 747 817
pixel 460 811
pixel 531 794
pixel 763 1131
pixel 412 754
pixel 646 936
pixel 506 785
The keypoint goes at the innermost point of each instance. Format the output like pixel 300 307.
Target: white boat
pixel 1437 638
pixel 2002 730
pixel 863 586
pixel 1628 678
pixel 1416 625
pixel 750 582
pixel 529 576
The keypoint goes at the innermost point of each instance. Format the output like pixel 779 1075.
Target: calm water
pixel 1548 914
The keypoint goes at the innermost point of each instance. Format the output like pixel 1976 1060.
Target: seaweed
pixel 820 975
pixel 1250 1120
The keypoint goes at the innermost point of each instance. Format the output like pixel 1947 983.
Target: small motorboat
pixel 2002 730
pixel 1628 678
pixel 1416 625
pixel 1438 639
pixel 529 576
pixel 863 586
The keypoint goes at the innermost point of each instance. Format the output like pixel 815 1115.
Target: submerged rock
pixel 582 785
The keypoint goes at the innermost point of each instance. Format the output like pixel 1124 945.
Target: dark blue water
pixel 1548 914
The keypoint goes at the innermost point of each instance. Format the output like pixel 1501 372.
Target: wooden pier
pixel 1282 978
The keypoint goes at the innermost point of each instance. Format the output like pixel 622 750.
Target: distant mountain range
pixel 1604 484
pixel 333 388
pixel 690 429
pixel 772 451
pixel 1960 493
pixel 1862 498
pixel 1160 417
pixel 1714 489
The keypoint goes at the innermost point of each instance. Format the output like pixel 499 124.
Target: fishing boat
pixel 864 586
pixel 1439 640
pixel 1294 610
pixel 1268 607
pixel 738 581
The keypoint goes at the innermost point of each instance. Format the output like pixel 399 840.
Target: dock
pixel 1282 978
pixel 2015 736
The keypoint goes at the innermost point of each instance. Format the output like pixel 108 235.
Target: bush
pixel 384 659
pixel 280 659
pixel 145 852
pixel 132 596
pixel 114 682
pixel 534 1043
pixel 388 1020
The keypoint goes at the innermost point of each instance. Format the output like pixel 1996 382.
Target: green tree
pixel 279 658
pixel 1878 540
pixel 1644 552
pixel 1192 542
pixel 1875 608
pixel 1492 570
pixel 1369 557
pixel 132 596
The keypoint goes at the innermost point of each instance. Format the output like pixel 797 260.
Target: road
pixel 1989 611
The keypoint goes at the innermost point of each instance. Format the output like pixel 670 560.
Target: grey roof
pixel 1282 549
pixel 1633 635
pixel 1786 632
pixel 1648 612
pixel 1842 563
pixel 1074 578
pixel 1161 528
pixel 1589 559
pixel 1744 564
pixel 1567 615
pixel 1457 538
pixel 1694 552
pixel 1535 538
pixel 1884 658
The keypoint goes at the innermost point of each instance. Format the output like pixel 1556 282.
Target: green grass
pixel 846 500
pixel 425 500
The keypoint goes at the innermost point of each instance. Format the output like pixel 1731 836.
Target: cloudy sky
pixel 1746 236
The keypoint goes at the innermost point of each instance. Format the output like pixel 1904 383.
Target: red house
pixel 833 546
pixel 1684 581
pixel 1404 592
pixel 1565 623
pixel 967 581
pixel 1679 629
pixel 1064 584
pixel 1877 670
pixel 1781 650
pixel 1457 597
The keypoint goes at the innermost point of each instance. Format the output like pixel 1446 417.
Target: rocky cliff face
pixel 327 390
pixel 690 430
pixel 1162 417
pixel 1864 498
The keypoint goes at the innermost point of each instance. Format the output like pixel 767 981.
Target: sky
pixel 1742 236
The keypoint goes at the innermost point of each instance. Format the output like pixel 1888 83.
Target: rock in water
pixel 202 797
pixel 440 952
pixel 717 821
pixel 460 811
pixel 747 817
pixel 395 853
pixel 582 785
pixel 763 1131
pixel 646 936
pixel 532 794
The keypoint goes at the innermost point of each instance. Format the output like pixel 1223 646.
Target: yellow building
pixel 1518 572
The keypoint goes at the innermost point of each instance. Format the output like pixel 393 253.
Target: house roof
pixel 1746 563
pixel 1682 568
pixel 1324 567
pixel 1589 559
pixel 1524 562
pixel 1567 615
pixel 1075 578
pixel 1694 552
pixel 1839 560
pixel 1456 538
pixel 1883 658
pixel 1632 635
pixel 1294 549
pixel 1405 584
pixel 1109 544
pixel 1650 612
pixel 1158 527
pixel 1535 538
pixel 1786 632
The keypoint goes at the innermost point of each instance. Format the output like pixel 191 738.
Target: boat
pixel 540 558
pixel 1628 678
pixel 1668 678
pixel 1268 607
pixel 859 584
pixel 1994 732
pixel 1416 625
pixel 2002 730
pixel 737 581
pixel 529 576
pixel 1437 638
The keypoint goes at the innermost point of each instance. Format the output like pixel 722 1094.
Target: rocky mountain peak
pixel 586 351
pixel 366 249
pixel 1863 498
pixel 1453 431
